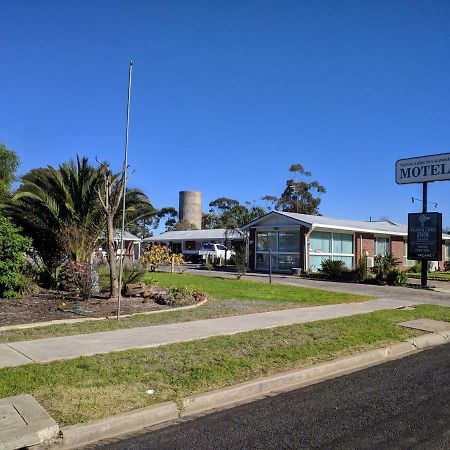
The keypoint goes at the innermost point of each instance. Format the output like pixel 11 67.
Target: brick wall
pixel 398 249
pixel 364 242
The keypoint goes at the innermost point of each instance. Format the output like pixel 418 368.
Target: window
pixel 325 245
pixel 408 262
pixel 284 247
pixel 189 245
pixel 342 243
pixel 320 242
pixel 382 246
pixel 447 251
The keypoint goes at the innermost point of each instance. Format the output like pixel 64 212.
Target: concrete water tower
pixel 190 207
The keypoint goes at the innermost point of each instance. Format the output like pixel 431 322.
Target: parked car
pixel 215 252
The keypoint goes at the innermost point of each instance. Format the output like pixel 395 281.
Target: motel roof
pixel 195 235
pixel 323 222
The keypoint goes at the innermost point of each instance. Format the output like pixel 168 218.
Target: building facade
pixel 303 241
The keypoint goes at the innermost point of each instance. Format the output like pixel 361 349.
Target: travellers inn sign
pixel 423 169
pixel 425 236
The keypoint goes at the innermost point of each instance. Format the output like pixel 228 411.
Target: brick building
pixel 304 241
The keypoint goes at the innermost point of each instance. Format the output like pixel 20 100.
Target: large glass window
pixel 284 247
pixel 267 240
pixel 320 242
pixel 288 241
pixel 343 243
pixel 382 246
pixel 325 245
pixel 408 262
pixel 447 251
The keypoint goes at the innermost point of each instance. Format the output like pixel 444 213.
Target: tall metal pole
pixel 424 268
pixel 125 165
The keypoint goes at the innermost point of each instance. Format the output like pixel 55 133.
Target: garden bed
pixel 48 305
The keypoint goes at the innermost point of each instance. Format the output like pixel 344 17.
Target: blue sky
pixel 227 95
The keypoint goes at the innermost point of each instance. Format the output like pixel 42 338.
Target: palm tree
pixel 61 210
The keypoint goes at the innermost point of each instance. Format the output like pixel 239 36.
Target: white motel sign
pixel 423 169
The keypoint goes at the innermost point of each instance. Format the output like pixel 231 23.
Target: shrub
pixel 383 264
pixel 396 277
pixel 133 273
pixel 447 266
pixel 158 255
pixel 240 259
pixel 12 259
pixel 362 268
pixel 332 268
pixel 416 268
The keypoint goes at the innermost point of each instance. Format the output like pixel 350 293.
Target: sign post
pixel 424 229
pixel 424 267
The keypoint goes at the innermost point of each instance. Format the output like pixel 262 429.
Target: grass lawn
pixel 229 288
pixel 230 297
pixel 432 275
pixel 88 388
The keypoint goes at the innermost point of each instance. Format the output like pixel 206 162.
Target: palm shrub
pixel 12 259
pixel 396 277
pixel 332 268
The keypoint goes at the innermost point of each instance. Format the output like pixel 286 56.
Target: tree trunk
pixel 113 275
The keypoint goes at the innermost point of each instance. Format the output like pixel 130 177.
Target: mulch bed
pixel 42 306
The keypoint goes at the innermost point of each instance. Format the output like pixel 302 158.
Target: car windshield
pixel 208 247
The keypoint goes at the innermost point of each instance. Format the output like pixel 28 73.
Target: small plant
pixel 133 273
pixel 396 277
pixel 447 266
pixel 208 264
pixel 383 264
pixel 416 268
pixel 332 268
pixel 362 268
pixel 241 262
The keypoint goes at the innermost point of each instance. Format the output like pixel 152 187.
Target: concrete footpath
pixel 67 347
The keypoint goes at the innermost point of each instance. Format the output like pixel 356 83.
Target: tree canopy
pixel 9 163
pixel 300 195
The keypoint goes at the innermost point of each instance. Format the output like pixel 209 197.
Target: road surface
pixel 402 404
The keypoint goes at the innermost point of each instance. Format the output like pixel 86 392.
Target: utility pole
pixel 125 165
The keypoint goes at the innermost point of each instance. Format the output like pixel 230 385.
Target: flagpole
pixel 125 166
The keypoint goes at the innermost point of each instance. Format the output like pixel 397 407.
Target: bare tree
pixel 110 194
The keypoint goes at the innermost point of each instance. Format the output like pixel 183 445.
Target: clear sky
pixel 228 94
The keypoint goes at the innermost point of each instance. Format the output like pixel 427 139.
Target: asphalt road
pixel 402 404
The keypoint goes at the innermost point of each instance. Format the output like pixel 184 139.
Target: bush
pixel 383 264
pixel 332 268
pixel 362 268
pixel 447 266
pixel 133 273
pixel 12 259
pixel 396 277
pixel 240 259
pixel 416 268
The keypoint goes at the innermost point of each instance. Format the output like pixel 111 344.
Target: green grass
pixel 211 310
pixel 88 388
pixel 230 297
pixel 432 275
pixel 228 288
